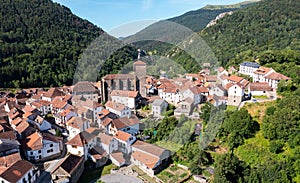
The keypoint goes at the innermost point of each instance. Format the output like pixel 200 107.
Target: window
pixel 233 100
pixel 51 145
pixel 39 151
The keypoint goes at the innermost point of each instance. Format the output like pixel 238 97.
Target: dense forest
pixel 41 43
pixel 266 25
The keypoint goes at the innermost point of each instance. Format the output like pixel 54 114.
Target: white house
pixel 260 73
pixel 125 140
pixel 194 93
pixel 108 143
pixel 20 172
pixel 158 106
pixel 218 90
pixel 75 125
pixel 150 158
pixel 247 68
pixel 43 106
pixel 268 75
pixel 39 122
pixel 236 93
pixel 125 97
pixel 118 109
pixel 93 106
pixel 43 146
pixel 168 91
pixel 260 89
pixel 81 144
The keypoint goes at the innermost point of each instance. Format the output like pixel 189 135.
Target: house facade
pixel 20 172
pixel 247 68
pixel 125 97
pixel 158 106
pixel 118 109
pixel 39 147
pixel 150 158
pixel 236 93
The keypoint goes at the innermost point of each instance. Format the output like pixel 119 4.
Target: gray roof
pixel 250 64
pixel 158 102
pixel 84 86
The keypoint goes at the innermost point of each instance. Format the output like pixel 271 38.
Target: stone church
pixel 131 82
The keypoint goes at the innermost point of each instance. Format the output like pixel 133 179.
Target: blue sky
pixel 112 15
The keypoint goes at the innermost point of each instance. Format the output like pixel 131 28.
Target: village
pixel 100 122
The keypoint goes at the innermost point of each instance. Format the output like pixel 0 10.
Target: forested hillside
pixel 266 31
pixel 266 25
pixel 41 43
pixel 194 20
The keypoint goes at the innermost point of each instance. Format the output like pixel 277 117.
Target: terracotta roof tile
pixel 53 92
pixel 28 108
pixel 260 87
pixel 118 156
pixel 124 93
pixel 146 159
pixel 122 135
pixel 17 171
pixel 11 135
pixel 118 76
pixel 97 152
pixel 10 159
pixel 115 106
pixel 235 78
pixel 139 62
pixel 34 141
pixel 149 148
pixel 81 139
pixel 104 138
pixel 263 70
pixel 70 163
pixel 277 76
pixel 84 86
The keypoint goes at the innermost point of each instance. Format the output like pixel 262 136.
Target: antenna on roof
pixel 139 54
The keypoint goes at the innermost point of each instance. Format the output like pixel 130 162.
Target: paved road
pixel 120 178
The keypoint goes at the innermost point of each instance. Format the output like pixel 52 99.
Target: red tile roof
pixel 59 103
pixel 16 121
pixel 118 156
pixel 124 93
pixel 118 76
pixel 262 70
pixel 146 159
pixel 115 106
pixel 235 78
pixel 17 171
pixel 105 139
pixel 70 163
pixel 149 148
pixel 277 76
pixel 81 139
pixel 139 62
pixel 97 152
pixel 11 135
pixel 84 86
pixel 53 92
pixel 10 159
pixel 122 135
pixel 34 141
pixel 260 87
